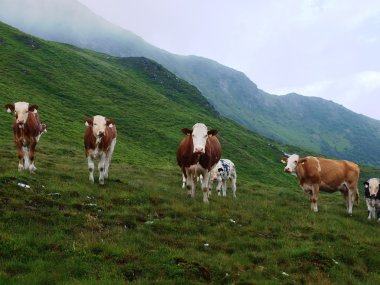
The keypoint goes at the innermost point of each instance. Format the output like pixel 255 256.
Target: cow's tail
pixel 26 157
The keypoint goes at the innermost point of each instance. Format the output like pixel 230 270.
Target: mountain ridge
pixel 230 91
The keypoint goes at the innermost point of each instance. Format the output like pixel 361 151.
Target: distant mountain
pixel 313 123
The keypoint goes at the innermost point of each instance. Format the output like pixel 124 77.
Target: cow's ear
pixel 212 132
pixel 284 160
pixel 10 108
pixel 366 184
pixel 302 160
pixel 88 121
pixel 187 131
pixel 33 108
pixel 110 123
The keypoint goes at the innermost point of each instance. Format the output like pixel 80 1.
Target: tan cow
pixel 27 130
pixel 316 173
pixel 99 142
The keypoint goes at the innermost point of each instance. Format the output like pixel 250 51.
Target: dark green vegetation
pixel 311 123
pixel 140 227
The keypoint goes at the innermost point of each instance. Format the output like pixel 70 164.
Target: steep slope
pixel 140 228
pixel 291 119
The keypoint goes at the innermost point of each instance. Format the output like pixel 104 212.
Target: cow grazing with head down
pixel 27 130
pixel 372 198
pixel 316 173
pixel 198 152
pixel 99 142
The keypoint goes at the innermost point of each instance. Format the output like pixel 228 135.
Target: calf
pixel 222 171
pixel 99 142
pixel 372 198
pixel 316 173
pixel 27 130
pixel 197 153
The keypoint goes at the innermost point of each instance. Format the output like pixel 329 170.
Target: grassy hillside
pixel 140 227
pixel 310 123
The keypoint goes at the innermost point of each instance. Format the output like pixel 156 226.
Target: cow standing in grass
pixel 198 152
pixel 224 170
pixel 99 142
pixel 372 198
pixel 27 130
pixel 316 173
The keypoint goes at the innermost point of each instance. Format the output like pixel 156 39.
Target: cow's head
pixel 371 187
pixel 99 124
pixel 199 134
pixel 291 163
pixel 215 171
pixel 21 111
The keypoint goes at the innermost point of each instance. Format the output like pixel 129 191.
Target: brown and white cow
pixel 316 173
pixel 27 130
pixel 99 142
pixel 198 152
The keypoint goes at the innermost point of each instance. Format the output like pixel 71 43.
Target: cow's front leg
pixel 32 149
pixel 314 198
pixel 183 181
pixel 350 203
pixel 91 167
pixel 101 167
pixel 20 153
pixel 369 208
pixel 219 185
pixel 206 177
pixel 190 183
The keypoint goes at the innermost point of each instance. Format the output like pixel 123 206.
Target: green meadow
pixel 140 227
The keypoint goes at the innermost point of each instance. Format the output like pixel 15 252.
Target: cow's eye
pixel 296 162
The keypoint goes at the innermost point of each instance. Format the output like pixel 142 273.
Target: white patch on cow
pixel 21 111
pixel 374 184
pixel 183 181
pixel 99 125
pixel 86 124
pixel 26 157
pixel 292 163
pixel 9 110
pixel 91 166
pixel 199 135
pixel 110 125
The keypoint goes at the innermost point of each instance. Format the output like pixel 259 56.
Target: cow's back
pixel 336 172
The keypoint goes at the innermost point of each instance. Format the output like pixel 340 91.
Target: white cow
pixel 372 198
pixel 222 171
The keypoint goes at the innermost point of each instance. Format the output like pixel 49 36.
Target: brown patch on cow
pixel 105 142
pixel 186 157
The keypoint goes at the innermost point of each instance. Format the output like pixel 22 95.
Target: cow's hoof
pixel 20 167
pixel 91 180
pixel 101 182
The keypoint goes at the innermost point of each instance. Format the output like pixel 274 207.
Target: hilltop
pixel 140 227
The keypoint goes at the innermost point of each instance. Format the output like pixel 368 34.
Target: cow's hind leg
pixel 219 186
pixel 91 167
pixel 233 184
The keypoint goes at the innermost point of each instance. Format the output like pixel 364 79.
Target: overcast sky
pixel 329 49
